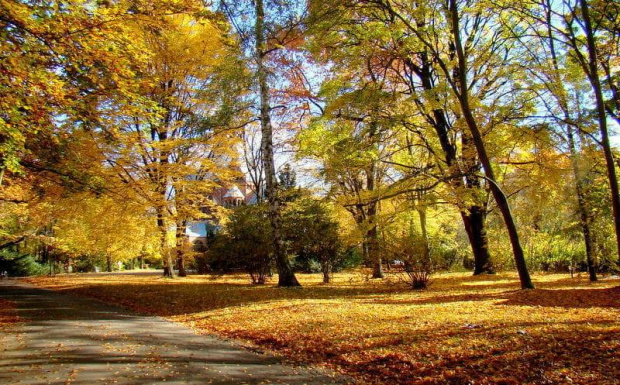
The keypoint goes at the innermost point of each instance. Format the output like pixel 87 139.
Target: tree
pixel 56 58
pixel 579 27
pixel 471 62
pixel 272 28
pixel 587 35
pixel 104 227
pixel 551 74
pixel 286 277
pixel 349 150
pixel 175 159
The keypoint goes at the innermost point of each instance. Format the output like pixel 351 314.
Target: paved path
pixel 66 339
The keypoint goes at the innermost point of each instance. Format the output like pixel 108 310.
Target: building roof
pixel 234 192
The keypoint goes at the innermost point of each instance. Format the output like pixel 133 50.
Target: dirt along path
pixel 65 339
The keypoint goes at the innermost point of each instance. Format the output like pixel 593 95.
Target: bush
pixel 244 243
pixel 87 264
pixel 20 265
pixel 350 258
pixel 312 236
pixel 417 263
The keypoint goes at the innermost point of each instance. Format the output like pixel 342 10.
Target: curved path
pixel 65 339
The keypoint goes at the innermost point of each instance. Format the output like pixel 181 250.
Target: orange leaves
pixel 8 315
pixel 462 330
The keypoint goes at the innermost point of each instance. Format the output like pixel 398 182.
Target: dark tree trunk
pixel 326 269
pixel 602 119
pixel 372 243
pixel 108 260
pixel 474 220
pixel 584 214
pixel 181 266
pixel 474 216
pixel 286 276
pixel 499 196
pixel 585 217
pixel 374 253
pixel 426 249
pixel 476 213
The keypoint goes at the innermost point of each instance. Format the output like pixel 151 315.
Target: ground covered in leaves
pixel 462 330
pixel 8 315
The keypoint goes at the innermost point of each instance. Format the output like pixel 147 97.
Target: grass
pixel 461 330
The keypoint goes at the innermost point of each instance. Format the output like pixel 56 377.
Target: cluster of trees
pixel 311 237
pixel 119 119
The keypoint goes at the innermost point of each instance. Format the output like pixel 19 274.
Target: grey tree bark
pixel 286 276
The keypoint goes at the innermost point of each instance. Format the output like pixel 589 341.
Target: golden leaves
pixel 8 314
pixel 475 329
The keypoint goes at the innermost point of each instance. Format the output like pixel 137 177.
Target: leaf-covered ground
pixel 8 315
pixel 463 330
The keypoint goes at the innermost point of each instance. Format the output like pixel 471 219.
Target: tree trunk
pixel 181 266
pixel 374 253
pixel 180 247
pixel 163 244
pixel 426 250
pixel 476 213
pixel 372 243
pixel 499 196
pixel 474 220
pixel 372 235
pixel 474 216
pixel 326 269
pixel 108 259
pixel 286 276
pixel 602 119
pixel 584 215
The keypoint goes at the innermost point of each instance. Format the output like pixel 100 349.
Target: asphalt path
pixel 66 339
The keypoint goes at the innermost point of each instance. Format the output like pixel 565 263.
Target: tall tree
pixel 176 158
pixel 475 65
pixel 267 33
pixel 589 38
pixel 590 67
pixel 57 57
pixel 551 73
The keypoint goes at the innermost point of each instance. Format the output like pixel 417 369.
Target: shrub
pixel 312 235
pixel 417 263
pixel 20 265
pixel 244 243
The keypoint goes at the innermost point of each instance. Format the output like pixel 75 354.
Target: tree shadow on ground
pixel 182 298
pixel 566 298
pixel 553 358
pixel 179 298
pixel 68 337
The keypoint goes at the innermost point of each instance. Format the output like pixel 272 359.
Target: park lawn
pixel 462 330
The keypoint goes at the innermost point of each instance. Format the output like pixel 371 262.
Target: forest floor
pixel 462 330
